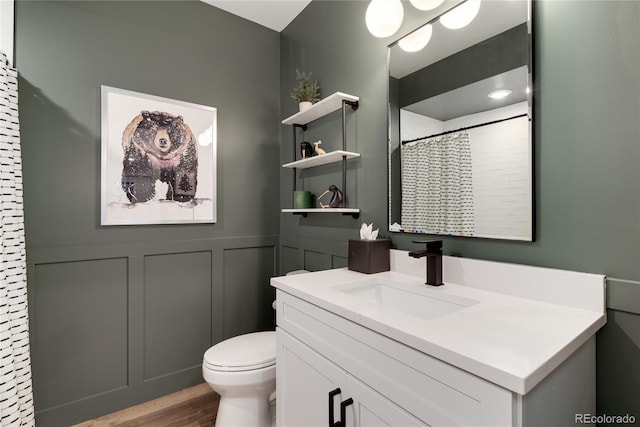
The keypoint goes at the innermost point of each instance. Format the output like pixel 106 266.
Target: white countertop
pixel 506 339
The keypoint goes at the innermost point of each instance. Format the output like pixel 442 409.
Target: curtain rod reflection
pixel 465 128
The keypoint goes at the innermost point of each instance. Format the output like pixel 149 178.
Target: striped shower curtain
pixel 437 193
pixel 16 402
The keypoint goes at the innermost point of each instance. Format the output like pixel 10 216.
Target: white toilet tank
pixel 291 273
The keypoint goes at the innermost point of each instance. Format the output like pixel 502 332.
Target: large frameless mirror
pixel 460 125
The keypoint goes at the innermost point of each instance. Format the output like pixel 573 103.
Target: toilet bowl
pixel 242 370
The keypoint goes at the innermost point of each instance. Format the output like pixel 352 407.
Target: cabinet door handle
pixel 332 394
pixel 343 411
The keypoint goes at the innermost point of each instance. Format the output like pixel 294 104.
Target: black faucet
pixel 434 260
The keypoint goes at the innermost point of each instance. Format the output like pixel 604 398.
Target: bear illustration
pixel 159 146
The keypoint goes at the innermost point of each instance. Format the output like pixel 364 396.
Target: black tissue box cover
pixel 369 256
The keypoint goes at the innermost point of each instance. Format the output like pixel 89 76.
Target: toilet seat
pixel 242 353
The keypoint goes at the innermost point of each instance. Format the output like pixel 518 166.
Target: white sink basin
pixel 416 301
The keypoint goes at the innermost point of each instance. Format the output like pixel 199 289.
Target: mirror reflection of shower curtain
pixel 437 196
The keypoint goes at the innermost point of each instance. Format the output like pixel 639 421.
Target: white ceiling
pixel 274 14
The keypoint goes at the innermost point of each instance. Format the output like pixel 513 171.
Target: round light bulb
pixel 426 4
pixel 384 17
pixel 461 15
pixel 416 40
pixel 499 94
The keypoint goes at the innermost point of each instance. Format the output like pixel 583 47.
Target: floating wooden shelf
pixel 324 159
pixel 321 108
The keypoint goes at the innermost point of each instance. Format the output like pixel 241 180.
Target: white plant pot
pixel 304 105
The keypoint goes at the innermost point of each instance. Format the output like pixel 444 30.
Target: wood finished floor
pixel 192 407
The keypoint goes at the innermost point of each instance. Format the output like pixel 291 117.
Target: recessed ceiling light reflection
pixel 499 94
pixel 416 40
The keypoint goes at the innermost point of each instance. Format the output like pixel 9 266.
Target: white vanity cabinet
pixel 393 384
pixel 390 383
pixel 499 345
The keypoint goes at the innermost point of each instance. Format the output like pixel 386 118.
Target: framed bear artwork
pixel 158 160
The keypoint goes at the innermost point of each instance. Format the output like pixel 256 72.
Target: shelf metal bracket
pixel 354 104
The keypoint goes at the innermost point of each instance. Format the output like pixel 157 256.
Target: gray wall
pixel 587 158
pixel 123 314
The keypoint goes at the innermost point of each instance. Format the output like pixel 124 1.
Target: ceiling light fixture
pixel 499 94
pixel 426 4
pixel 461 15
pixel 384 17
pixel 416 40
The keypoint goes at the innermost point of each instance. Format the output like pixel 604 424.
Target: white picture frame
pixel 169 174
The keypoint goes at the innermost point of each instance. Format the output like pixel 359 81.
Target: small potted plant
pixel 307 92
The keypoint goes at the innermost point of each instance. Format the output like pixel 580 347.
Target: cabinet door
pixel 304 380
pixel 371 409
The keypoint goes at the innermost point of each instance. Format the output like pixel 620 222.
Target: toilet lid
pixel 244 352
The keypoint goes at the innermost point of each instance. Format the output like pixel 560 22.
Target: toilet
pixel 242 370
